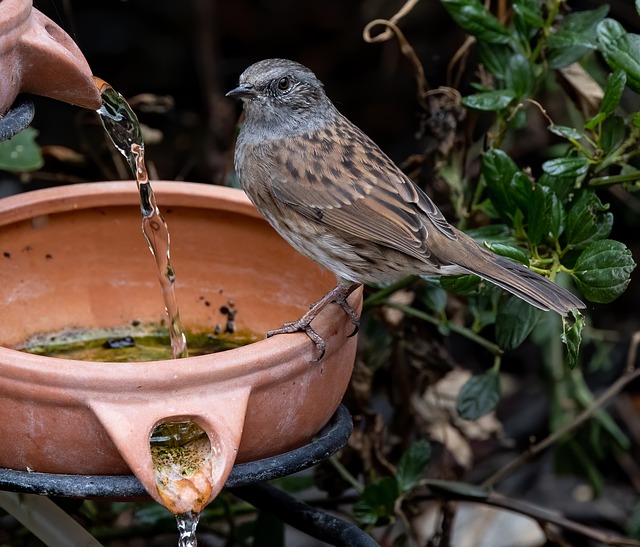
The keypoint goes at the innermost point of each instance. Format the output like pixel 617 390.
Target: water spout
pixel 37 56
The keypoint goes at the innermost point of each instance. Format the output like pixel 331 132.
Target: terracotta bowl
pixel 74 257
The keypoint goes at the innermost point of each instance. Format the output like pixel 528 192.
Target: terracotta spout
pixel 129 422
pixel 37 56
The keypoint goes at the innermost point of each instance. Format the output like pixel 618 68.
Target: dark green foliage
pixel 479 395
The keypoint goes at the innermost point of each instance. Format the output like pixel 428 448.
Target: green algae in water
pixel 176 434
pixel 137 343
pixel 182 447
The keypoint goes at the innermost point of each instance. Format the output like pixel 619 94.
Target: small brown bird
pixel 339 200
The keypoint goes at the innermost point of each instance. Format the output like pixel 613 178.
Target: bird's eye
pixel 284 83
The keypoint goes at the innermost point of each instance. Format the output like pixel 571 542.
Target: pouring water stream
pixel 121 124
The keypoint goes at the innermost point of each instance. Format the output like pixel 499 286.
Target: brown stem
pixel 541 515
pixel 629 375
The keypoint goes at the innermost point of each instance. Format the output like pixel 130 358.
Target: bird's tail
pixel 531 287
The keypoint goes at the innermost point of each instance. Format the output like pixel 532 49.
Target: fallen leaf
pixel 583 90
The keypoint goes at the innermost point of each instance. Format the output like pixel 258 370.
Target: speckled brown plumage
pixel 337 198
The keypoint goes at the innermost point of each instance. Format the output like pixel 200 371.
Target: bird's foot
pixel 303 325
pixel 338 295
pixel 353 315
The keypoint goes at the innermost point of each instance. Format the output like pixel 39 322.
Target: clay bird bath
pixel 74 257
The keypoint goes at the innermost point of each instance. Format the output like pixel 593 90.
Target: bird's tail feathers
pixel 531 287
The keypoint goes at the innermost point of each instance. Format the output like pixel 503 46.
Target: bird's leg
pixel 339 295
pixel 342 300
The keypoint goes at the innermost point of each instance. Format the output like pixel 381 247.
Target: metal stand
pixel 16 119
pixel 246 481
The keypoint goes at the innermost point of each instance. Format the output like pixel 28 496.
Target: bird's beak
pixel 243 91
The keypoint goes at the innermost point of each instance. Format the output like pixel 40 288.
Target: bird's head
pixel 283 95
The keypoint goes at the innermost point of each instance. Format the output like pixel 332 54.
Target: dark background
pixel 194 51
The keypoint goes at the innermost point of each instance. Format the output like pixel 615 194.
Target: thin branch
pixel 391 29
pixel 630 374
pixel 541 515
pixel 463 331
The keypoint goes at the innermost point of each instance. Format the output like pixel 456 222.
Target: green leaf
pixel 21 153
pixel 296 482
pixel 562 57
pixel 460 284
pixel 522 189
pixel 499 170
pixel 566 167
pixel 588 221
pixel 492 234
pixel 509 251
pixel 602 271
pixel 377 501
pixel 483 304
pixel 490 100
pixel 433 296
pixel 487 208
pixel 458 489
pixel 479 396
pixel 613 92
pixel 519 119
pixel 612 135
pixel 580 42
pixel 572 336
pixel 472 16
pixel 529 11
pixel 494 57
pixel 560 186
pixel 519 75
pixel 583 22
pixel 621 50
pixel 546 215
pixel 514 322
pixel 574 36
pixel 413 465
pixel 566 132
pixel 593 122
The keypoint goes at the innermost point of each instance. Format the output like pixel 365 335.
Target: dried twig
pixel 459 58
pixel 391 29
pixel 544 516
pixel 629 375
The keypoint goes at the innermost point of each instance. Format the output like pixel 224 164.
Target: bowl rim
pixel 30 370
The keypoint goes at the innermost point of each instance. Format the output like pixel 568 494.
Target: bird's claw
pixel 302 326
pixel 338 295
pixel 355 318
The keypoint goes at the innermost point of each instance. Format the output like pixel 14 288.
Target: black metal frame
pixel 17 118
pixel 245 481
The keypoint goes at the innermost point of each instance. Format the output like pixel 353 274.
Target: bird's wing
pixel 354 187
